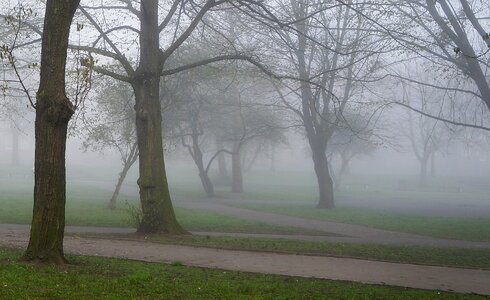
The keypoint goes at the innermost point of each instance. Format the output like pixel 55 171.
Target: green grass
pixel 86 207
pixel 102 278
pixel 451 257
pixel 472 229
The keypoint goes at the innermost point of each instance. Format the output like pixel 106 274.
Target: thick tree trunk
pixel 236 172
pixel 53 112
pixel 325 182
pixel 157 210
pixel 158 215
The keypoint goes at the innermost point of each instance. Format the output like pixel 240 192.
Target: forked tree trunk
pixel 158 215
pixel 53 112
pixel 197 156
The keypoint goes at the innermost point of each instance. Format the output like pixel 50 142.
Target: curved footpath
pixel 342 232
pixel 373 272
pixel 350 233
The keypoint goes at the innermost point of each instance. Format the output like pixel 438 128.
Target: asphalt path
pixel 365 271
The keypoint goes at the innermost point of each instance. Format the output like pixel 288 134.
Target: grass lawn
pixel 102 278
pixel 450 257
pixel 86 207
pixel 471 229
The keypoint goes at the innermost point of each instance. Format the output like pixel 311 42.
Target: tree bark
pixel 325 182
pixel 53 112
pixel 158 215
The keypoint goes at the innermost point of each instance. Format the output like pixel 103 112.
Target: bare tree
pixel 327 55
pixel 450 35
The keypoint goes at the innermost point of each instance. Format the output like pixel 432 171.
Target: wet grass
pixel 102 278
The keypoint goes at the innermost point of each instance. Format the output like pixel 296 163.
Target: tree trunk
pixel 325 182
pixel 127 164
pixel 120 181
pixel 158 215
pixel 53 112
pixel 157 210
pixel 223 176
pixel 344 170
pixel 206 183
pixel 196 153
pixel 236 172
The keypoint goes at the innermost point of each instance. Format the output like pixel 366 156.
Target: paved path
pixel 374 272
pixel 350 233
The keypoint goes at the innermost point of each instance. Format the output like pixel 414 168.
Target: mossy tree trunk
pixel 53 112
pixel 157 211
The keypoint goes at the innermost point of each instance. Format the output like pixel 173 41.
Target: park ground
pixel 357 241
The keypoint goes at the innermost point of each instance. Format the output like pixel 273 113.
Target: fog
pixel 458 188
pixel 271 122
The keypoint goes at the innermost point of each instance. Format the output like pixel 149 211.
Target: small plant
pixel 177 264
pixel 135 214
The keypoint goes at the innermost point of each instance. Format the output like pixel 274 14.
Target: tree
pixel 449 35
pixel 351 139
pixel 328 56
pixel 157 211
pixel 426 135
pixel 110 125
pixel 220 105
pixel 53 112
